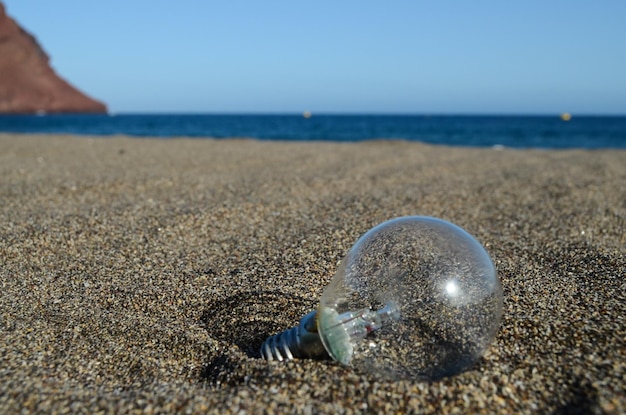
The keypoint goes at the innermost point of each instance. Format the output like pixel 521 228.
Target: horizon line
pixel 372 113
pixel 311 114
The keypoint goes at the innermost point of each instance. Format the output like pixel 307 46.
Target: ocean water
pixel 547 132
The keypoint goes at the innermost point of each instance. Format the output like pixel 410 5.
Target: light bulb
pixel 415 297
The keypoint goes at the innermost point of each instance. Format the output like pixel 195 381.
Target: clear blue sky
pixel 405 56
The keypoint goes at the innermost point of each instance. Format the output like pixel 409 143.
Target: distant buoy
pixel 306 114
pixel 566 116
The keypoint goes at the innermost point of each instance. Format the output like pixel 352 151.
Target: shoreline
pixel 379 140
pixel 511 131
pixel 144 273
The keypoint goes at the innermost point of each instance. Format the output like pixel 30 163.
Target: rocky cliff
pixel 27 82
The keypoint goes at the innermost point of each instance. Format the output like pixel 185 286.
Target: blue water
pixel 548 132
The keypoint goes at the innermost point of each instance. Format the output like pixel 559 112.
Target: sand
pixel 141 275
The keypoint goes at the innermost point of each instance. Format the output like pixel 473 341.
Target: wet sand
pixel 145 273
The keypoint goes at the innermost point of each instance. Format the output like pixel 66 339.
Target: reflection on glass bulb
pixel 422 291
pixel 452 288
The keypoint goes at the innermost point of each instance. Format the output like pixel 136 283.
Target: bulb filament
pixel 361 323
pixel 344 331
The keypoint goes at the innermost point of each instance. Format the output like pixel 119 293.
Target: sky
pixel 337 56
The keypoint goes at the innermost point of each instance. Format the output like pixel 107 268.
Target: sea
pixel 542 132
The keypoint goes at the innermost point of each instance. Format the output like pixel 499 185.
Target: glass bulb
pixel 415 297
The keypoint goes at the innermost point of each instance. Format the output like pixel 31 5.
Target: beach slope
pixel 145 273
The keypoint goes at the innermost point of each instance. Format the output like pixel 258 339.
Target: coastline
pixel 144 273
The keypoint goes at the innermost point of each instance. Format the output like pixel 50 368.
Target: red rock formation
pixel 27 82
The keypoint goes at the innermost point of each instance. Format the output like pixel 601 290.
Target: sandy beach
pixel 143 274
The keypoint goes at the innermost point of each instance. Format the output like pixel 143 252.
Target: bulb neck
pixel 301 341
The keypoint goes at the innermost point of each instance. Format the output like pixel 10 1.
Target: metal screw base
pixel 296 342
